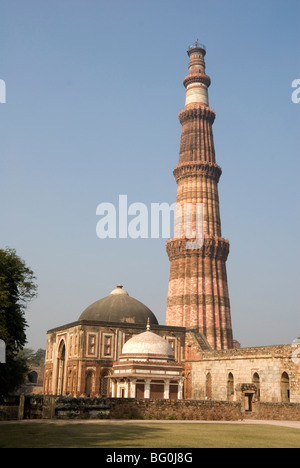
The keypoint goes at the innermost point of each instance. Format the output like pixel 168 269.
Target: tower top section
pixel 197 46
pixel 197 82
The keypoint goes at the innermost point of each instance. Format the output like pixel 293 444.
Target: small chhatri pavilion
pixel 147 369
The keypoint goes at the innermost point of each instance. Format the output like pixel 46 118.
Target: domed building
pixel 81 356
pixel 118 307
pixel 147 369
pixel 107 352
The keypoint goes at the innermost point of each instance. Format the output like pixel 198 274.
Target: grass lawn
pixel 143 435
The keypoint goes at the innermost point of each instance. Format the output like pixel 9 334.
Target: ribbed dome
pixel 147 344
pixel 119 307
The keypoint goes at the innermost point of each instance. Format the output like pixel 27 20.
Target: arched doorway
pixel 173 395
pixel 140 389
pixel 285 388
pixel 230 387
pixel 104 390
pixel 33 377
pixel 61 368
pixel 208 387
pixel 256 382
pixel 157 388
pixel 188 387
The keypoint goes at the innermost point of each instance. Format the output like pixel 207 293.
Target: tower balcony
pixel 197 46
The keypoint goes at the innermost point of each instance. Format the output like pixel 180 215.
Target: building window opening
pixel 33 377
pixel 88 384
pixel 256 382
pixel 104 383
pixel 107 346
pixel 230 387
pixel 61 368
pixel 248 402
pixel 92 344
pixel 208 387
pixel 285 388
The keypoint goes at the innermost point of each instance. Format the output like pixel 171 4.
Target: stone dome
pixel 147 345
pixel 119 307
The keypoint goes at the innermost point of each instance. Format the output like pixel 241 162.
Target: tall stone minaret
pixel 198 292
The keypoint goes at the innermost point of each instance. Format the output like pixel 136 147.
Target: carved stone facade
pixel 147 369
pixel 251 375
pixel 198 294
pixel 80 356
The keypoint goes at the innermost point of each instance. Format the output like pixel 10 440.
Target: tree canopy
pixel 17 288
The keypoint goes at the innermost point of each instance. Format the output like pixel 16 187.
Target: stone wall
pixel 268 363
pixel 9 408
pixel 53 407
pixel 175 410
pixel 275 411
pixel 86 367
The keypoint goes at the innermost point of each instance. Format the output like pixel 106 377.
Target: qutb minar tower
pixel 198 295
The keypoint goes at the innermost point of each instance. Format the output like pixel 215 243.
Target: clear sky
pixel 94 88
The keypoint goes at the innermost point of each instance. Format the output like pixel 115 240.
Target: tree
pixel 17 289
pixel 34 358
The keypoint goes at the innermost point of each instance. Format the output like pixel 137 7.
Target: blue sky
pixel 93 92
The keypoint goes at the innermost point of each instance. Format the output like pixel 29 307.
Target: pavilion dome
pixel 147 345
pixel 119 307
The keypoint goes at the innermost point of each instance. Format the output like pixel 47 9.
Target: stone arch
pixel 104 383
pixel 61 364
pixel 285 387
pixel 230 387
pixel 208 386
pixel 89 382
pixel 33 377
pixel 188 386
pixel 256 382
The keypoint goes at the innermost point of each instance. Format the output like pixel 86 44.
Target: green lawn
pixel 143 435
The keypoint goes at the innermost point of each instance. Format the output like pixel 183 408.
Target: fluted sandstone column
pixel 198 291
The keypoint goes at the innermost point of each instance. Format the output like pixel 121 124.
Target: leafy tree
pixel 17 289
pixel 34 358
